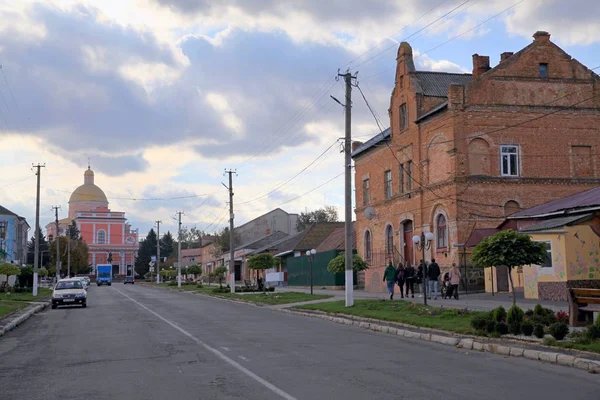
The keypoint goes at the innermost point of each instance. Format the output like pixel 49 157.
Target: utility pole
pixel 36 251
pixel 158 251
pixel 56 238
pixel 179 251
pixel 231 236
pixel 68 254
pixel 348 191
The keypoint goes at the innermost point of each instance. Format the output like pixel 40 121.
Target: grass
pixel 7 307
pixel 591 346
pixel 447 319
pixel 26 297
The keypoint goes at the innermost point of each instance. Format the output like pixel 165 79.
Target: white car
pixel 85 281
pixel 69 291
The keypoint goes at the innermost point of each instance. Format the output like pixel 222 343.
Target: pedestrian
pixel 421 278
pixel 400 278
pixel 433 274
pixel 389 276
pixel 455 279
pixel 409 278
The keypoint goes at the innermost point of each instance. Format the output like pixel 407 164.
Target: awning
pixel 284 253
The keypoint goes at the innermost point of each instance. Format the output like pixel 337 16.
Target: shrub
pixel 562 316
pixel 271 289
pixel 527 328
pixel 593 332
pixel 550 316
pixel 221 290
pixel 538 310
pixel 491 326
pixel 529 313
pixel 501 328
pixel 559 330
pixel 172 283
pixel 538 331
pixel 199 285
pixel 479 323
pixel 514 320
pixel 499 314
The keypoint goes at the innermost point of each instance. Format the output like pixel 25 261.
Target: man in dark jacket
pixel 433 273
pixel 409 277
pixel 389 276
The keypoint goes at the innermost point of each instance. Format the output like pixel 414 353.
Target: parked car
pixel 85 281
pixel 128 279
pixel 68 292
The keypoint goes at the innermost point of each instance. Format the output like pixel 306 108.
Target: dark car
pixel 129 279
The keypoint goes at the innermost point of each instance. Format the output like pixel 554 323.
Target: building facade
pixel 13 237
pixel 106 232
pixel 465 150
pixel 276 220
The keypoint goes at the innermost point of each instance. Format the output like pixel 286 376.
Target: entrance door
pixel 502 277
pixel 115 270
pixel 407 229
pixel 238 271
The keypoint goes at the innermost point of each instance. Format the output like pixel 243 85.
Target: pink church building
pixel 106 232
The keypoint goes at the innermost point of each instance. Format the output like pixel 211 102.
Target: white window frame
pixel 437 231
pixel 510 173
pixel 98 236
pixel 543 268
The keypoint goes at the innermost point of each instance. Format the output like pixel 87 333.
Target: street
pixel 137 342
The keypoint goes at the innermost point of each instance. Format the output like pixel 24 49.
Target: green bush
pixel 593 332
pixel 491 326
pixel 499 314
pixel 199 285
pixel 222 290
pixel 538 310
pixel 501 328
pixel 559 330
pixel 479 323
pixel 529 313
pixel 514 320
pixel 172 283
pixel 538 331
pixel 527 328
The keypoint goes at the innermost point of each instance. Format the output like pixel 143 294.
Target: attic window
pixel 543 70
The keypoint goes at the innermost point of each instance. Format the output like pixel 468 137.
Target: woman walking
pixel 400 278
pixel 454 280
pixel 409 278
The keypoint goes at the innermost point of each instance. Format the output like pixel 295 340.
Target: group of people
pixel 408 276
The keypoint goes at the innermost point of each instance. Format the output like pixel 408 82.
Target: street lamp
pixel 311 254
pixel 423 243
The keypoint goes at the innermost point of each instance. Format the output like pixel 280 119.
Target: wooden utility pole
pixel 56 238
pixel 231 235
pixel 158 251
pixel 36 251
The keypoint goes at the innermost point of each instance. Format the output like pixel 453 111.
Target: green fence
pixel 298 269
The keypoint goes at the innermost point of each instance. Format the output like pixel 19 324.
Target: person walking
pixel 455 280
pixel 433 274
pixel 400 278
pixel 420 279
pixel 409 278
pixel 389 276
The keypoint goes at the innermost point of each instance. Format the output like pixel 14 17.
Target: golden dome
pixel 88 191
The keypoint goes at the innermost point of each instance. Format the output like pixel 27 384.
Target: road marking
pixel 225 348
pixel 216 352
pixel 243 358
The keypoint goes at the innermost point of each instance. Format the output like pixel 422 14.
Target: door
pixel 502 278
pixel 238 271
pixel 407 229
pixel 115 270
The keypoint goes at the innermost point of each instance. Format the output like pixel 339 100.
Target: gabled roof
pixel 558 222
pixel 479 234
pixel 265 241
pixel 579 201
pixel 436 83
pixel 433 111
pixel 310 238
pixel 374 141
pixel 6 211
pixel 337 240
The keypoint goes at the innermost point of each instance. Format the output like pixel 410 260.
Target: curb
pixel 592 366
pixel 22 318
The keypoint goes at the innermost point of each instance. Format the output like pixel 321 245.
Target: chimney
pixel 541 36
pixel 355 145
pixel 505 56
pixel 481 64
pixel 405 56
pixel 456 96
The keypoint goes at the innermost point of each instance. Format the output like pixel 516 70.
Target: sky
pixel 163 96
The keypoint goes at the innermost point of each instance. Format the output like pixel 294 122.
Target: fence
pixel 298 269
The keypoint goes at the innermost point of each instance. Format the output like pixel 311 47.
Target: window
pixel 511 207
pixel 2 230
pixel 442 232
pixel 409 176
pixel 403 117
pixel 101 237
pixel 401 183
pixel 366 194
pixel 509 159
pixel 543 70
pixel 388 184
pixel 389 239
pixel 368 246
pixel 548 263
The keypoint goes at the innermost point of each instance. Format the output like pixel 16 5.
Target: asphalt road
pixel 135 342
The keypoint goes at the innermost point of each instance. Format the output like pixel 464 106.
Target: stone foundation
pixel 556 291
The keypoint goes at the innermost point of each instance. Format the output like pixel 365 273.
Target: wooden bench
pixel 583 303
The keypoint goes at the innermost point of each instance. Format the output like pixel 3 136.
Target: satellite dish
pixel 369 213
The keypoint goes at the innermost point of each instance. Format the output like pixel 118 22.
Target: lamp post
pixel 311 254
pixel 423 243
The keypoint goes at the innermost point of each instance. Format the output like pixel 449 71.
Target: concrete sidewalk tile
pixel 564 359
pixel 549 357
pixel 516 351
pixel 532 354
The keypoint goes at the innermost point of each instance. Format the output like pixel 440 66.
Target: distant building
pixel 13 237
pixel 276 220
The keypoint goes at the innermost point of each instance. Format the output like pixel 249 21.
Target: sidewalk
pixel 477 301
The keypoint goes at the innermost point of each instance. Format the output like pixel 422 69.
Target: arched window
pixel 389 239
pixel 101 237
pixel 368 245
pixel 442 232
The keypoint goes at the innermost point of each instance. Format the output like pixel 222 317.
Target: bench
pixel 583 303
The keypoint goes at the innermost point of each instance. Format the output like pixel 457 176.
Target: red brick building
pixel 465 150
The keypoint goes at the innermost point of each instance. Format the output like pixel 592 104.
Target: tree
pixel 220 273
pixel 43 272
pixel 338 264
pixel 72 231
pixel 510 249
pixel 146 250
pixel 260 262
pixel 167 245
pixel 9 270
pixel 79 255
pixel 44 256
pixel 194 269
pixel 222 242
pixel 326 214
pixel 191 237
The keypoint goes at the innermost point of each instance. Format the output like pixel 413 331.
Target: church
pixel 106 232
